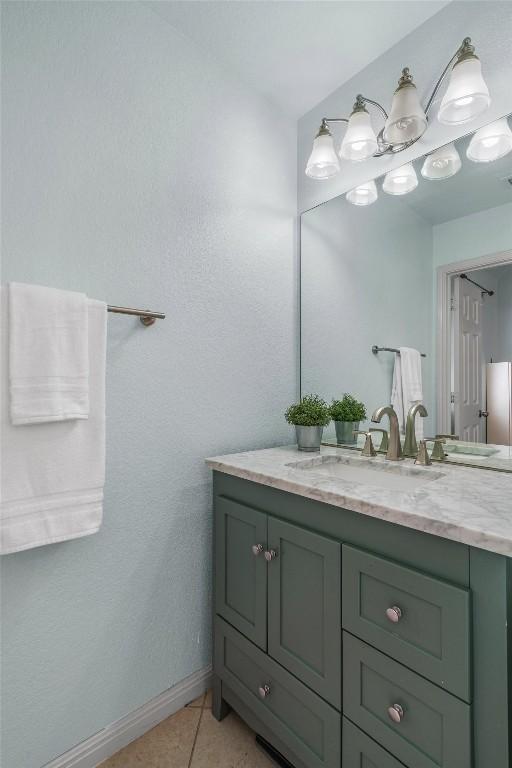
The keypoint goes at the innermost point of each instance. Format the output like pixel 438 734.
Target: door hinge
pixel 452 397
pixel 453 305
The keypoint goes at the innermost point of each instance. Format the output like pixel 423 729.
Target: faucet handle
pixel 384 443
pixel 437 451
pixel 423 457
pixel 368 449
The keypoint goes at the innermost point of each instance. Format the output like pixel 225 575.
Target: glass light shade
pixel 442 163
pixel 364 194
pixel 401 180
pixel 359 141
pixel 467 94
pixel 490 142
pixel 323 161
pixel 407 120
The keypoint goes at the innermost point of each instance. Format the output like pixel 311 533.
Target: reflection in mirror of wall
pixel 371 275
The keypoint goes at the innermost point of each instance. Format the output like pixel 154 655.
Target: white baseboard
pixel 100 746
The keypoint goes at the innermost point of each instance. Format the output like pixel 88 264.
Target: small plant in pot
pixel 346 414
pixel 309 418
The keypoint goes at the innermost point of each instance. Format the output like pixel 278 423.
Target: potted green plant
pixel 309 418
pixel 346 414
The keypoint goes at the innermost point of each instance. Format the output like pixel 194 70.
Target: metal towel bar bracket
pixel 147 317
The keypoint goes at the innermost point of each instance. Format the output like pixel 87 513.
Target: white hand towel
pixel 409 370
pixel 397 400
pixel 53 474
pixel 48 354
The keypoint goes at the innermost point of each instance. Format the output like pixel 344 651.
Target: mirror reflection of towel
pixel 406 389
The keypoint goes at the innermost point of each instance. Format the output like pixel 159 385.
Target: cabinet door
pixel 241 571
pixel 304 607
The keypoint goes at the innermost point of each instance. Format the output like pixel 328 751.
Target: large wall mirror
pixel 429 269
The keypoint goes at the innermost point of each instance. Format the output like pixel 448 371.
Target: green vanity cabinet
pixel 350 642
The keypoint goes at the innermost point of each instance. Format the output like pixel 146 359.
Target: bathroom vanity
pixel 362 608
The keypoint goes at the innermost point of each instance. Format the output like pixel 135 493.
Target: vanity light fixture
pixel 467 94
pixel 442 163
pixel 400 181
pixel 364 194
pixel 323 162
pixel 490 142
pixel 407 121
pixel 359 141
pixel 466 97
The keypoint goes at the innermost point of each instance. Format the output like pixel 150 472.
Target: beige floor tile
pixel 229 744
pixel 168 745
pixel 197 702
pixel 208 700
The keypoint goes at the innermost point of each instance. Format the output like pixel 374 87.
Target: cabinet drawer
pixel 431 630
pixel 301 719
pixel 240 574
pixel 434 731
pixel 359 751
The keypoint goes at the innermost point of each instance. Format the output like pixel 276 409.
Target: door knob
pixel 394 614
pixel 257 549
pixel 270 554
pixel 483 414
pixel 264 691
pixel 396 713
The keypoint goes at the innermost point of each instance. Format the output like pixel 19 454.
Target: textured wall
pixel 426 50
pixel 132 171
pixel 366 279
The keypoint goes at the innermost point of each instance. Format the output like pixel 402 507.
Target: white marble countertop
pixel 472 506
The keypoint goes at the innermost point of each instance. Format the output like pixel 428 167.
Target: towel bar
pixel 147 317
pixel 376 349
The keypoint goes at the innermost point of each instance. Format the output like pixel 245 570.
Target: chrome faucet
pixel 394 452
pixel 410 444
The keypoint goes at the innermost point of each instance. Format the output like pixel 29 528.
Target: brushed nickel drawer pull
pixel 394 614
pixel 264 691
pixel 396 713
pixel 257 549
pixel 270 554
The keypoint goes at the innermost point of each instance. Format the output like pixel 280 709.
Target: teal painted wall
pixel 469 237
pixel 132 171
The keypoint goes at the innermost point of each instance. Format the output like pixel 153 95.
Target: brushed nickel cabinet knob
pixel 270 554
pixel 264 691
pixel 257 549
pixel 396 713
pixel 394 614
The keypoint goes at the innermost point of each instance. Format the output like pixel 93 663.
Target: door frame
pixel 443 341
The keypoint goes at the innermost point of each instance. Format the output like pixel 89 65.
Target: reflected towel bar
pixel 376 349
pixel 147 317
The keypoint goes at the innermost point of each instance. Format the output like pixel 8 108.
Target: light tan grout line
pixel 197 731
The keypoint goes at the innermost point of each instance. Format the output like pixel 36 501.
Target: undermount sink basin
pixel 377 473
pixel 469 449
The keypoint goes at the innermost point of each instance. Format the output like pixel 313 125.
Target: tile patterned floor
pixel 192 738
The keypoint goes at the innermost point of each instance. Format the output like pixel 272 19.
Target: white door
pixel 469 425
